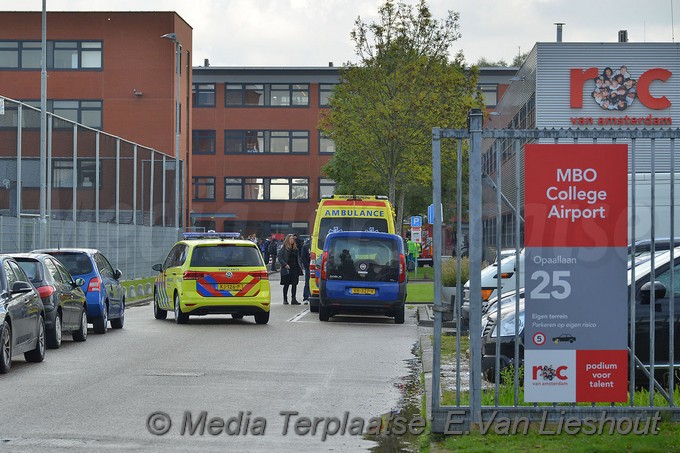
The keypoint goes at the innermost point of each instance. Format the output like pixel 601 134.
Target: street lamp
pixel 178 57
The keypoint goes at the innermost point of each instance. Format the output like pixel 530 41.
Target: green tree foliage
pixel 383 111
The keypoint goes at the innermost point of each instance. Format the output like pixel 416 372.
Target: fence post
pixel 436 263
pixel 475 252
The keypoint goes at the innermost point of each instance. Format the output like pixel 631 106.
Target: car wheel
pixel 237 316
pixel 5 348
pixel 314 308
pixel 262 317
pixel 54 334
pixel 101 324
pixel 324 313
pixel 399 315
pixel 158 312
pixel 118 323
pixel 180 318
pixel 38 354
pixel 81 333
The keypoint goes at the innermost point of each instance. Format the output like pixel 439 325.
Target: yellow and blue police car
pixel 212 273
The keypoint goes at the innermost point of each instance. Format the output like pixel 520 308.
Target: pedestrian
pixel 291 269
pixel 273 248
pixel 265 250
pixel 306 259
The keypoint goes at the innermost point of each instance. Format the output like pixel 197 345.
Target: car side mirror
pixel 117 274
pixel 21 287
pixel 80 281
pixel 157 267
pixel 646 292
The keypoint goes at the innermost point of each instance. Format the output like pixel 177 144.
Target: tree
pixel 383 111
pixel 484 63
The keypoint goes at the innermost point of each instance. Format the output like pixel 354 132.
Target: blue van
pixel 363 272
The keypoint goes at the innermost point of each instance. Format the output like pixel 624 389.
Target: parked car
pixel 509 279
pixel 64 300
pixel 212 273
pixel 363 272
pixel 22 316
pixel 642 286
pixel 101 285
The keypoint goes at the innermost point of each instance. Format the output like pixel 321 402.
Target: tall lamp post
pixel 178 65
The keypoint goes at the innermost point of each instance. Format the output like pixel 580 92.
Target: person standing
pixel 264 248
pixel 306 259
pixel 273 249
pixel 291 269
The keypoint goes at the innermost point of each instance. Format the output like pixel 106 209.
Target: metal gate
pixel 473 400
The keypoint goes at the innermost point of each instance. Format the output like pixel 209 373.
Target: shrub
pixel 450 271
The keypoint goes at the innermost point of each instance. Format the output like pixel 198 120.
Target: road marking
pixel 299 316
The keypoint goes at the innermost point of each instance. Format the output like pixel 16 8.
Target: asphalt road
pixel 99 395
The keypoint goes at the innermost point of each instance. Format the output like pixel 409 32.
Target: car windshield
pixel 221 255
pixel 76 263
pixel 334 224
pixel 367 259
pixel 32 269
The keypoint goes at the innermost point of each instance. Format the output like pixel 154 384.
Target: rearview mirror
pixel 157 267
pixel 21 287
pixel 646 292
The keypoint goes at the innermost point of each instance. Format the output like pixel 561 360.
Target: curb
pixel 425 316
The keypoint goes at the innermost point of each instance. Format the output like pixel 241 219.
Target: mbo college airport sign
pixel 576 316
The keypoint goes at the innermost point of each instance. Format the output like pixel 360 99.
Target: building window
pixel 326 144
pixel 203 142
pixel 326 187
pixel 325 92
pixel 60 54
pixel 203 94
pixel 266 189
pixel 204 188
pixel 88 113
pixel 289 95
pixel 243 141
pixel 269 95
pixel 489 94
pixel 233 189
pixel 238 141
pixel 62 173
pixel 238 95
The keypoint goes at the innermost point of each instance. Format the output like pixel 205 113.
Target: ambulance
pixel 345 213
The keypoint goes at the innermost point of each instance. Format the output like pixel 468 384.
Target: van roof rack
pixel 210 235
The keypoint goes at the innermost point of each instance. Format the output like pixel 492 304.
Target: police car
pixel 212 273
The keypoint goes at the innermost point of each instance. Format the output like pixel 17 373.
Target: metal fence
pixel 495 219
pixel 101 191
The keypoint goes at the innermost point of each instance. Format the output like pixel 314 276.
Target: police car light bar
pixel 211 235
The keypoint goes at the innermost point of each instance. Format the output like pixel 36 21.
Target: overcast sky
pixel 315 32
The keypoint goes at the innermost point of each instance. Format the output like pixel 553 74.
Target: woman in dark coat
pixel 291 269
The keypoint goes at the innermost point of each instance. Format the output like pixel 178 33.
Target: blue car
pixel 363 272
pixel 105 295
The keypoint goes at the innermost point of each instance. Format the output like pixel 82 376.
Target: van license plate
pixel 229 287
pixel 362 291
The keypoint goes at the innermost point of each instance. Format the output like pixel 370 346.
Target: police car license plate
pixel 362 291
pixel 229 287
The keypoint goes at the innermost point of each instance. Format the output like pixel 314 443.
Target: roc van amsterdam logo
pixel 548 374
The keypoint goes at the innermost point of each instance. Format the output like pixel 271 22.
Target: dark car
pixel 64 300
pixel 105 295
pixel 22 316
pixel 643 288
pixel 363 272
pixel 564 337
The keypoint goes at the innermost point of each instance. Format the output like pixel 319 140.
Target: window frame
pixel 197 184
pixel 199 135
pixel 79 48
pixel 262 186
pixel 197 92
